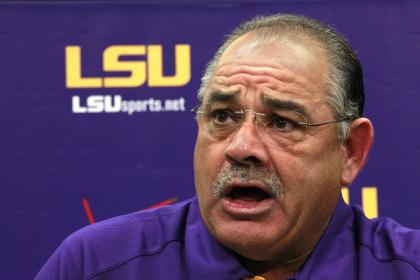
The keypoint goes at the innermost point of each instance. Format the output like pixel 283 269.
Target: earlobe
pixel 357 147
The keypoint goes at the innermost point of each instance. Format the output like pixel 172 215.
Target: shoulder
pixel 107 244
pixel 387 241
pixel 152 228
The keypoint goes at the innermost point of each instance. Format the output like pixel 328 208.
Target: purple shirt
pixel 173 243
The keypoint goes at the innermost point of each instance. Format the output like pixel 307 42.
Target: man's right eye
pixel 221 116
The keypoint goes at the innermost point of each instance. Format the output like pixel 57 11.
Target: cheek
pixel 293 175
pixel 208 159
pixel 307 176
pixel 199 163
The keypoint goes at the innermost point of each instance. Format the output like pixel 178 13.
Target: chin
pixel 247 238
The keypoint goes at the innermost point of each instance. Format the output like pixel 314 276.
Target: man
pixel 280 132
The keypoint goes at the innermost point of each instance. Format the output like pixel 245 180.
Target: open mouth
pixel 247 201
pixel 248 194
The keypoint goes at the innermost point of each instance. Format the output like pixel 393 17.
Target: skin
pixel 312 171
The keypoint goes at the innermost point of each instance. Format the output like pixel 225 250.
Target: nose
pixel 246 146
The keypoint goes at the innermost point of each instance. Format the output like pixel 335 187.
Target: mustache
pixel 247 174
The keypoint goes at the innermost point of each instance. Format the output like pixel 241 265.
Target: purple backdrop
pixel 53 154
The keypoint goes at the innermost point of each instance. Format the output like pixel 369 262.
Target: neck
pixel 283 268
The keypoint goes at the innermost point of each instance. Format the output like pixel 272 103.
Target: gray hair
pixel 345 80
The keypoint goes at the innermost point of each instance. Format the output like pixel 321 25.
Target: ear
pixel 357 147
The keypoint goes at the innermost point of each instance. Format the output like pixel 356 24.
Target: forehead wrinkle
pixel 268 85
pixel 230 73
pixel 268 77
pixel 274 70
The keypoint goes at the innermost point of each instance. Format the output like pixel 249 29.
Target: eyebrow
pixel 222 96
pixel 276 103
pixel 269 101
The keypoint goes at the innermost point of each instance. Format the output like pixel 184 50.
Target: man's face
pixel 264 197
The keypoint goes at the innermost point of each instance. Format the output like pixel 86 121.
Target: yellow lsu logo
pixel 369 200
pixel 150 70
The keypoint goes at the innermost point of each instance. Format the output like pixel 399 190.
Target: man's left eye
pixel 282 123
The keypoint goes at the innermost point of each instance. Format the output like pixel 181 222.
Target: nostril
pixel 252 160
pixel 249 160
